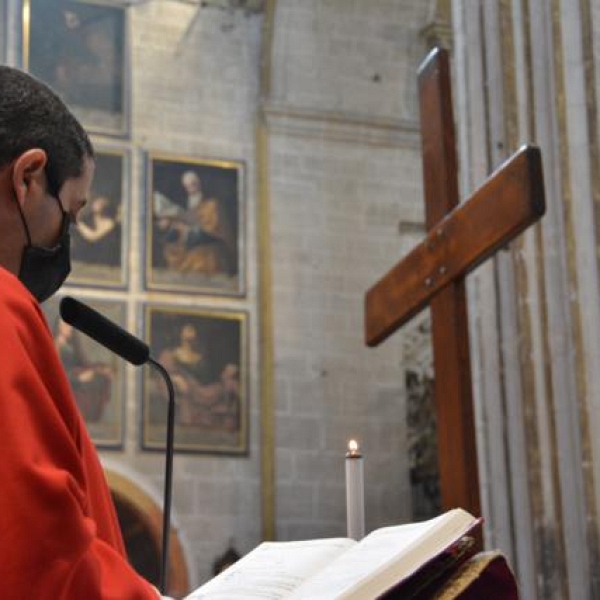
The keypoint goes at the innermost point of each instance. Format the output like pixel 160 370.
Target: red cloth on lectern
pixel 59 535
pixel 494 582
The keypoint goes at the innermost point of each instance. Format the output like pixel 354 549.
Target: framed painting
pixel 195 226
pixel 80 49
pixel 96 375
pixel 205 353
pixel 99 242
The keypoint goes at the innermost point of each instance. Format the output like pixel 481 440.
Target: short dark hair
pixel 33 116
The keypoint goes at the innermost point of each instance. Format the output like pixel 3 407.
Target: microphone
pixel 105 332
pixel 133 350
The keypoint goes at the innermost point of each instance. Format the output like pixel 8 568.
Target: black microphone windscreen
pixel 104 331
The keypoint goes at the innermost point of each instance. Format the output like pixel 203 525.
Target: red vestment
pixel 59 534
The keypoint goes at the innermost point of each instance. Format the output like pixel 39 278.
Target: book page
pixel 271 571
pixel 390 546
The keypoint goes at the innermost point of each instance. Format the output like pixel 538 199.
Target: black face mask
pixel 44 270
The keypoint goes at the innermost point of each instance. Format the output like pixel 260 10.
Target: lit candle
pixel 355 492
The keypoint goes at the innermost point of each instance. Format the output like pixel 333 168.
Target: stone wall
pixel 345 169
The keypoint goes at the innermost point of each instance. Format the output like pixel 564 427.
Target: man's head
pixel 190 182
pixel 100 205
pixel 32 116
pixel 188 333
pixel 46 168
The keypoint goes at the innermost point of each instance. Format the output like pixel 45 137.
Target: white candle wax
pixel 355 492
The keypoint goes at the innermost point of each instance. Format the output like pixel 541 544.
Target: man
pixel 193 189
pixel 59 536
pixel 203 241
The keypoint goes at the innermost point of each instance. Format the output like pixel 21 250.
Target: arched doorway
pixel 141 523
pixel 142 550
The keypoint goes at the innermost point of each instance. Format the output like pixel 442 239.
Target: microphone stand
pixel 164 566
pixel 121 342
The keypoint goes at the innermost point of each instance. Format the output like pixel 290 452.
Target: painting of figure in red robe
pixel 204 351
pixel 96 375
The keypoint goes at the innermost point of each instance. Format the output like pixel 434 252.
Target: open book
pixel 405 558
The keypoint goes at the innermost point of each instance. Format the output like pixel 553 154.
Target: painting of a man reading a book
pixel 194 226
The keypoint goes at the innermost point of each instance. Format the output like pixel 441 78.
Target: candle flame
pixel 353 446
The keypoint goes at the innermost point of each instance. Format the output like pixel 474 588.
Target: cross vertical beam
pixel 459 477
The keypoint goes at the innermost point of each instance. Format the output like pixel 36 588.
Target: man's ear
pixel 29 173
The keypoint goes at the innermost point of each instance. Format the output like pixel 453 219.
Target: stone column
pixel 525 73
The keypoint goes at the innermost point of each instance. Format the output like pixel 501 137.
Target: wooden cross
pixel 459 238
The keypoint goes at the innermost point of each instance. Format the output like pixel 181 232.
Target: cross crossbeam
pixel 460 237
pixel 496 213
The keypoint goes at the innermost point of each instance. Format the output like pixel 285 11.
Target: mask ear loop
pixel 55 193
pixel 23 220
pixel 66 220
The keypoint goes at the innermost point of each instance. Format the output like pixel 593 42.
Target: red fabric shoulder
pixel 59 536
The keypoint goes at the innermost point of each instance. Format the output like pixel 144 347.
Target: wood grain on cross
pixel 460 237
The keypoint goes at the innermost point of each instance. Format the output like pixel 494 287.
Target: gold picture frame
pixel 195 226
pixel 80 48
pixel 100 240
pixel 97 376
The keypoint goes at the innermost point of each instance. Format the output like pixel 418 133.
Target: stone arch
pixel 141 521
